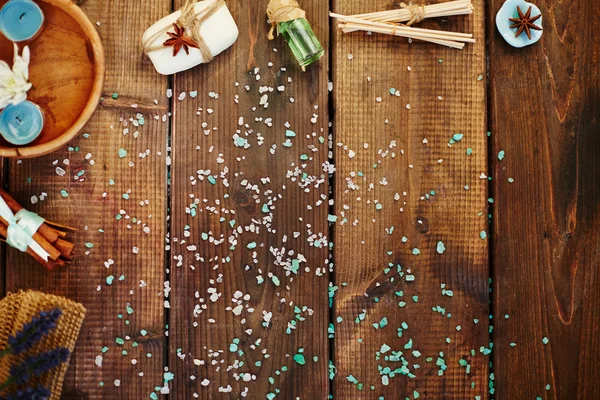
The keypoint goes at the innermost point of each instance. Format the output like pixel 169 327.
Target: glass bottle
pixel 302 40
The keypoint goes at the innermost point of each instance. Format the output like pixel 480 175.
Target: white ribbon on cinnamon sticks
pixel 21 228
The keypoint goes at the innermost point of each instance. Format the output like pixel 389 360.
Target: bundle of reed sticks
pixel 50 236
pixel 391 22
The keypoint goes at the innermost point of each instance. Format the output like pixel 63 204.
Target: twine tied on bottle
pixel 417 12
pixel 190 21
pixel 282 11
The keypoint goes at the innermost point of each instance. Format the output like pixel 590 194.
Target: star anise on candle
pixel 179 41
pixel 525 22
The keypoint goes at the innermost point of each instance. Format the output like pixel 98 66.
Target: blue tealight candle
pixel 22 123
pixel 20 20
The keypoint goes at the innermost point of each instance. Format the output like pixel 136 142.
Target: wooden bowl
pixel 67 73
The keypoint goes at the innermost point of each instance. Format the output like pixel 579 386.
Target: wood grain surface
pixel 400 159
pixel 195 229
pixel 254 197
pixel 544 103
pixel 99 185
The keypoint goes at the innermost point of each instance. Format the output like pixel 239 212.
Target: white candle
pixel 219 32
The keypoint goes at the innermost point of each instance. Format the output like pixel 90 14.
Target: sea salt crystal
pixel 238 310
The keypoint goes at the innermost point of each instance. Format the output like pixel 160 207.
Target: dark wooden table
pixel 206 241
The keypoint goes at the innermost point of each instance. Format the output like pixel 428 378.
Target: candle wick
pixel 22 15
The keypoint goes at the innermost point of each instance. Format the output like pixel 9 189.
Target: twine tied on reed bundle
pixel 417 12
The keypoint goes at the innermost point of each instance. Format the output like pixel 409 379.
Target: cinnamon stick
pixel 65 248
pixel 49 233
pixel 50 236
pixel 50 264
pixel 54 253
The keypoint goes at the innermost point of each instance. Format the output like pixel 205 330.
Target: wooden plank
pixel 242 184
pixel 92 204
pixel 400 186
pixel 544 116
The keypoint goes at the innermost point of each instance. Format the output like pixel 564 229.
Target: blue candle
pixel 22 123
pixel 20 20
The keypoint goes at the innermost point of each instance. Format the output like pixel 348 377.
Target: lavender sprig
pixel 35 366
pixel 35 393
pixel 31 333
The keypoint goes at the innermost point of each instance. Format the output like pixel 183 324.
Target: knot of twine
pixel 281 11
pixel 191 22
pixel 417 12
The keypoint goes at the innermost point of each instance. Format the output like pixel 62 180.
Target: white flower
pixel 13 82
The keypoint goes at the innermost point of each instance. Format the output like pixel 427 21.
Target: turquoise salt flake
pixel 501 155
pixel 299 358
pixel 240 142
pixel 122 153
pixel 290 133
pixel 440 247
pixel 168 376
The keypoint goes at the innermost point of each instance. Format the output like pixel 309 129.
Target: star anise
pixel 179 40
pixel 525 22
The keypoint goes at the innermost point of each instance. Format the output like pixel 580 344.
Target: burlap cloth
pixel 17 309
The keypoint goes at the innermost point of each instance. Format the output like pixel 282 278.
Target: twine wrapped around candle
pixel 191 22
pixel 417 12
pixel 282 11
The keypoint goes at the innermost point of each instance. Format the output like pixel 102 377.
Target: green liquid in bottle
pixel 302 40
